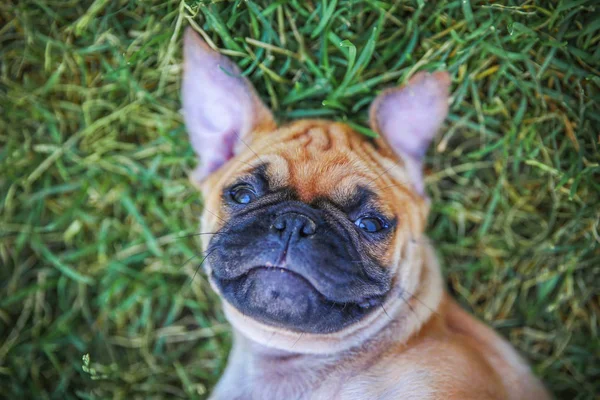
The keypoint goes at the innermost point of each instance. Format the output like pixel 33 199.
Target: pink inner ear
pixel 410 117
pixel 218 103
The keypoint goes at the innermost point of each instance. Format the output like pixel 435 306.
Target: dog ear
pixel 408 117
pixel 220 107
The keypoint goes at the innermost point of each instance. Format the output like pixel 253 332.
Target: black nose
pixel 294 224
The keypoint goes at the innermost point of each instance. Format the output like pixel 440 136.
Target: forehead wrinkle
pixel 339 170
pixel 316 140
pixel 347 187
pixel 340 136
pixel 319 179
pixel 278 171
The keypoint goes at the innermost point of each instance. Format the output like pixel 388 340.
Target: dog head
pixel 315 228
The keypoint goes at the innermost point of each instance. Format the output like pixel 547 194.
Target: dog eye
pixel 370 224
pixel 242 194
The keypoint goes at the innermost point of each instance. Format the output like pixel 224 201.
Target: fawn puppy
pixel 320 256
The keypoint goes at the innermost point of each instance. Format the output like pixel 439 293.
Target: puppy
pixel 319 252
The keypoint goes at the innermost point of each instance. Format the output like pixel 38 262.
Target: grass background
pixel 96 210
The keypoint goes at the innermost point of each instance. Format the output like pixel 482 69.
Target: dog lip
pixel 364 303
pixel 282 269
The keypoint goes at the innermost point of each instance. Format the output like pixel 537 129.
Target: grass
pixel 98 292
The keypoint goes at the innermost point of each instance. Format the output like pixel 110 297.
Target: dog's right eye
pixel 371 224
pixel 242 194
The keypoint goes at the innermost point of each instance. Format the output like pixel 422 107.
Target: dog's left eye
pixel 370 224
pixel 243 194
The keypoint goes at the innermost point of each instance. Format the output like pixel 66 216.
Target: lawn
pixel 100 293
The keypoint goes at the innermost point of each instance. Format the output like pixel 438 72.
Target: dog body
pixel 319 252
pixel 441 363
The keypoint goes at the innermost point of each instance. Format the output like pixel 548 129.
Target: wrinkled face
pixel 316 228
pixel 308 224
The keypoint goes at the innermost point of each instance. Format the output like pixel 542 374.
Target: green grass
pixel 95 205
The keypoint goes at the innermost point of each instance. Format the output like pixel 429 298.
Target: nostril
pixel 309 228
pixel 279 224
pixel 294 224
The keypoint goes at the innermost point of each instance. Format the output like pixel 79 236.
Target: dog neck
pixel 408 307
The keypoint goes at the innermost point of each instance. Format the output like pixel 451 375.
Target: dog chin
pixel 286 300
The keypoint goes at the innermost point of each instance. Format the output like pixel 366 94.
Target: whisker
pixel 210 212
pixel 191 258
pixel 202 262
pixel 297 340
pixel 386 313
pixel 200 234
pixel 380 175
pixel 419 300
pixel 248 164
pixel 188 260
pixel 411 309
pixel 250 148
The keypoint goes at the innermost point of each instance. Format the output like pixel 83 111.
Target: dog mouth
pixel 284 298
pixel 365 303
